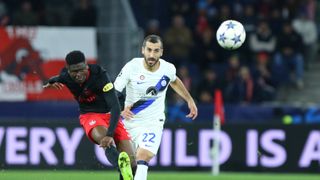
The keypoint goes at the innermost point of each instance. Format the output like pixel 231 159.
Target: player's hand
pixel 193 110
pixel 55 85
pixel 107 141
pixel 127 113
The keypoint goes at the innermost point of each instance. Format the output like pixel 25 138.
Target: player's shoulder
pixel 167 65
pixel 64 75
pixel 134 63
pixel 96 69
pixel 98 74
pixel 64 72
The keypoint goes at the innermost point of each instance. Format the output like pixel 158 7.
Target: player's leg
pixel 112 154
pixel 98 130
pixel 148 140
pixel 120 160
pixel 126 146
pixel 143 157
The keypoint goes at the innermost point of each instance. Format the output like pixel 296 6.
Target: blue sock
pixel 142 162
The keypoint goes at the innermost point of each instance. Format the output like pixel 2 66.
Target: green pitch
pixel 110 175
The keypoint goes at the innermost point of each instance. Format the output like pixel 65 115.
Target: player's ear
pixel 142 50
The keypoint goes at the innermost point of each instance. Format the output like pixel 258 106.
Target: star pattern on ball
pixel 236 38
pixel 222 37
pixel 230 25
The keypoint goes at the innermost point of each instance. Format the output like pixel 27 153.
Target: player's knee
pixel 143 154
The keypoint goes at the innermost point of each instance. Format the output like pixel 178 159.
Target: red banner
pixel 29 56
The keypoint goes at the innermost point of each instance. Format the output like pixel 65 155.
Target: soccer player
pixel 146 81
pixel 99 109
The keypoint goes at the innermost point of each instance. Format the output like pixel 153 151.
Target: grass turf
pixel 110 175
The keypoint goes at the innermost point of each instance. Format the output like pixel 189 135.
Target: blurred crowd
pixel 48 12
pixel 281 40
pixel 281 44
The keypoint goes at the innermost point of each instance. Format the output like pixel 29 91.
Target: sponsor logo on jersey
pixel 140 82
pixel 151 95
pixel 87 96
pixel 107 87
pixel 152 90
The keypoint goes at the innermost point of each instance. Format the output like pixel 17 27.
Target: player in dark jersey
pixel 99 109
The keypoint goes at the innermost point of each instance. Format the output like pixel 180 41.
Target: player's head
pixel 152 50
pixel 77 66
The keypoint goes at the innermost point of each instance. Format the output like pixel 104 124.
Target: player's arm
pixel 126 112
pixel 179 88
pixel 113 102
pixel 54 82
pixel 120 83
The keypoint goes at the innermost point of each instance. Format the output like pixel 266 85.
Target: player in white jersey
pixel 146 81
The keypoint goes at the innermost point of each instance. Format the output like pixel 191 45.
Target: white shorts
pixel 148 138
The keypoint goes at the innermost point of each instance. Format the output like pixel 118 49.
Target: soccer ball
pixel 231 34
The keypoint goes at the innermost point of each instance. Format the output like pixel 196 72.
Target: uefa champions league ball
pixel 231 34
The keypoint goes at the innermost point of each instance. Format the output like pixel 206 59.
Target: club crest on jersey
pixel 142 77
pixel 107 87
pixel 163 83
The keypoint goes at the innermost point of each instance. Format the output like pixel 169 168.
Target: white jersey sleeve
pixel 172 70
pixel 123 78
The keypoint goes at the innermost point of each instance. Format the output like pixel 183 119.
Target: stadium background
pixel 271 98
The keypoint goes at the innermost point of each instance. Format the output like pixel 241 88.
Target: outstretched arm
pixel 53 82
pixel 179 88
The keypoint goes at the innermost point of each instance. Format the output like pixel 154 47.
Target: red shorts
pixel 90 120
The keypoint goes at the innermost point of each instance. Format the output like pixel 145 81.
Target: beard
pixel 151 61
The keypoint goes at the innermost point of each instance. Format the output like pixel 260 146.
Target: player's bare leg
pixel 119 160
pixel 143 157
